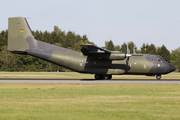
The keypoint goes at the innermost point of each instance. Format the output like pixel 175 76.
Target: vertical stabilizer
pixel 18 32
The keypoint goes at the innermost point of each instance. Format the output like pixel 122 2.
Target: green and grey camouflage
pixel 92 59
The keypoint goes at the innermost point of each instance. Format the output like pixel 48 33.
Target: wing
pixel 90 48
pixel 94 51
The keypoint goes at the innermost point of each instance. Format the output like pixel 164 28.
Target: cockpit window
pixel 160 59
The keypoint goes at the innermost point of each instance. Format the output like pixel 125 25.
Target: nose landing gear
pixel 158 77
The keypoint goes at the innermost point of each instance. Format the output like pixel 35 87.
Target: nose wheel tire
pixel 158 77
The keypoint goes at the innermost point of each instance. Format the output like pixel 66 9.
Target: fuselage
pixel 145 64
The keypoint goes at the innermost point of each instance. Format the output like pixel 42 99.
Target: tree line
pixel 70 40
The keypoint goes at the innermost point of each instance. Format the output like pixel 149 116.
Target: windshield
pixel 160 59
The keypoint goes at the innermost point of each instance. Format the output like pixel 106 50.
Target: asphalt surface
pixel 92 81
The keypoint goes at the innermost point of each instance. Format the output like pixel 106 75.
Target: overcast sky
pixel 140 21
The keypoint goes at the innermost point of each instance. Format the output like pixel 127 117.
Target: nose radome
pixel 171 68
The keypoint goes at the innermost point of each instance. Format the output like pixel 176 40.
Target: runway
pixel 92 81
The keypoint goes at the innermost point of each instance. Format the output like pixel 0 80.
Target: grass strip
pixel 89 101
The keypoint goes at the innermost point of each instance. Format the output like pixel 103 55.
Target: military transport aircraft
pixel 92 59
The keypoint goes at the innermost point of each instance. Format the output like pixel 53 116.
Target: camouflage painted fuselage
pixel 21 41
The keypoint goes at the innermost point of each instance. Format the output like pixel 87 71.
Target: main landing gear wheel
pixel 158 77
pixel 99 77
pixel 109 76
pixel 106 77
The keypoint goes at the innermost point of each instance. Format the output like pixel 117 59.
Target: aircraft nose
pixel 171 68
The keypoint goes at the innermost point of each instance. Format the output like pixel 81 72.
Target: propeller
pixel 127 56
pixel 128 51
pixel 134 52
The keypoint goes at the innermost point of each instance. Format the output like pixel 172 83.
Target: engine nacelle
pixel 117 56
pixel 113 56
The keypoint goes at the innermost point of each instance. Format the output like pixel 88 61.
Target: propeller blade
pixel 134 52
pixel 127 62
pixel 128 52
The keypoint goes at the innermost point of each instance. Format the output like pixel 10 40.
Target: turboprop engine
pixel 114 56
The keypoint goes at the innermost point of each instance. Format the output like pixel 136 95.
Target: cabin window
pixel 160 60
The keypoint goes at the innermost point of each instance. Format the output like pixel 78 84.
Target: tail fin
pixel 18 33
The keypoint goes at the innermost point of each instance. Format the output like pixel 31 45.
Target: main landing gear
pixel 105 77
pixel 158 77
